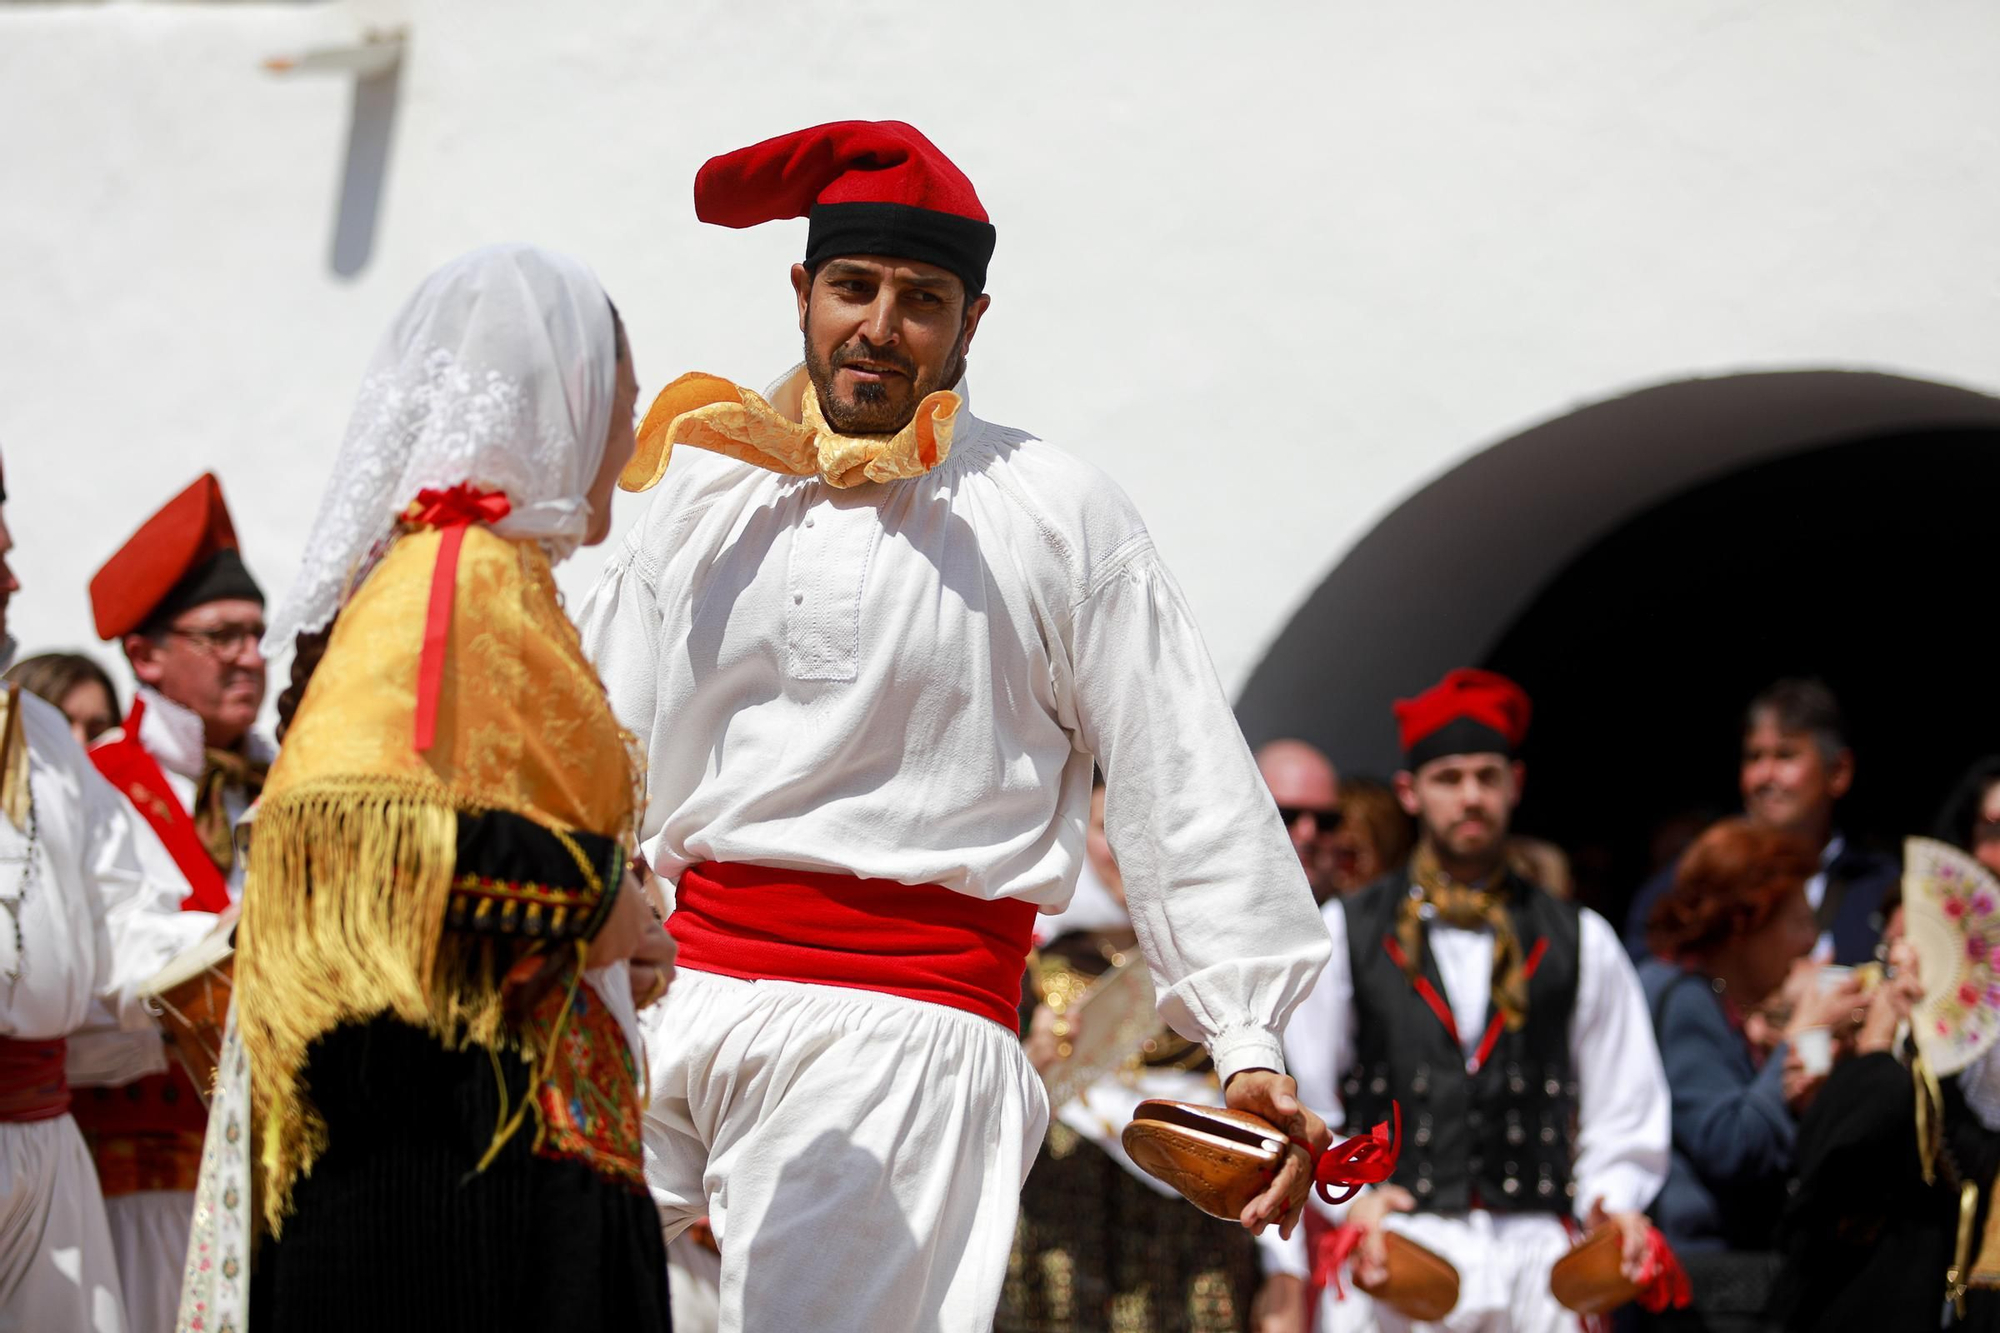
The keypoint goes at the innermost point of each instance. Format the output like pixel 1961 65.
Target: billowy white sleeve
pixel 141 890
pixel 1215 890
pixel 1624 1115
pixel 1319 1047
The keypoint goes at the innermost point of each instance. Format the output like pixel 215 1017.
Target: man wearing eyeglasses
pixel 179 600
pixel 1307 790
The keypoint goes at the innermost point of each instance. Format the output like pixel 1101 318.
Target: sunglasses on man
pixel 1327 820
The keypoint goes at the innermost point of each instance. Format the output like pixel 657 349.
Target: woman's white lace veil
pixel 499 371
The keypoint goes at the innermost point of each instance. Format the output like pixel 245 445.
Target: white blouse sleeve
pixel 1624 1121
pixel 1215 890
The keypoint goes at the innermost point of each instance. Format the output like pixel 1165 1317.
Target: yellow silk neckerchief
pixel 709 412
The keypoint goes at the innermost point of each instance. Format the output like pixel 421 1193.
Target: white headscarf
pixel 500 372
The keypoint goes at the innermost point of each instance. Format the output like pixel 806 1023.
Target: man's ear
pixel 973 314
pixel 802 287
pixel 1520 780
pixel 1406 792
pixel 144 655
pixel 1840 775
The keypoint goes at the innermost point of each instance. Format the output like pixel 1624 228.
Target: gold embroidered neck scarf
pixel 709 412
pixel 1467 908
pixel 221 770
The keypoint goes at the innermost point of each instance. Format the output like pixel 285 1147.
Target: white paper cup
pixel 1815 1048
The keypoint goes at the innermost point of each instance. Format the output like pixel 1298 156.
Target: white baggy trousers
pixel 57 1269
pixel 860 1156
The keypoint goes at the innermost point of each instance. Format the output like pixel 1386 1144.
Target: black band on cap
pixel 903 231
pixel 222 576
pixel 1461 735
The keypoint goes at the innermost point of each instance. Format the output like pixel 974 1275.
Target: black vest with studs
pixel 1501 1136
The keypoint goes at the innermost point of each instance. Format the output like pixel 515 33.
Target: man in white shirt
pixel 90 901
pixel 870 645
pixel 1508 1024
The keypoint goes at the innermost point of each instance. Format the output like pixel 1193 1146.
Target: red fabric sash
pixel 157 1103
pixel 32 1083
pixel 128 766
pixel 918 941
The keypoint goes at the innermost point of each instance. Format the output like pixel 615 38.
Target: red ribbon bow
pixel 451 510
pixel 1662 1280
pixel 1365 1159
pixel 456 506
pixel 1330 1257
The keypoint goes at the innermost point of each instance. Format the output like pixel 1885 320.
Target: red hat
pixel 182 557
pixel 870 187
pixel 1468 712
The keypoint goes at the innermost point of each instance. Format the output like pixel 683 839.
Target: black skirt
pixel 395 1230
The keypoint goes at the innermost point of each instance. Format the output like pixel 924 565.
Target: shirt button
pixel 810 522
pixel 798 599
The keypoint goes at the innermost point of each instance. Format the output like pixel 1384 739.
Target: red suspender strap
pixel 1443 1010
pixel 127 765
pixel 1492 1036
pixel 1424 988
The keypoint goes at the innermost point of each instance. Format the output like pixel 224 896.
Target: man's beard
pixel 1484 857
pixel 876 409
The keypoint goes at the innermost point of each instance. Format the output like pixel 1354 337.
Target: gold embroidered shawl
pixel 352 859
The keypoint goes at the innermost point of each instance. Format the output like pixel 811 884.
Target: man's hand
pixel 624 926
pixel 1275 1097
pixel 1371 1257
pixel 653 965
pixel 1633 1231
pixel 1280 1306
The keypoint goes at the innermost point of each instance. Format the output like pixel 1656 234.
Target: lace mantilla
pixel 499 372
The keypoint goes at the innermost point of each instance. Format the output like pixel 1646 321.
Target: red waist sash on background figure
pixel 919 941
pixel 32 1083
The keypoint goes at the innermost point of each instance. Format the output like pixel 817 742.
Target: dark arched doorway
pixel 1643 565
pixel 1869 564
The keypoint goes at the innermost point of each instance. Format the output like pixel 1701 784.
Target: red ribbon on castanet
pixel 1365 1159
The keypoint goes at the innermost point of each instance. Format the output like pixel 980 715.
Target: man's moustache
pixel 843 359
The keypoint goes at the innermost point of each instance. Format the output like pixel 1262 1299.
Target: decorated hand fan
pixel 1110 1021
pixel 1951 916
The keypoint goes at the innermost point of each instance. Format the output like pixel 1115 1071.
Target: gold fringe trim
pixel 343 922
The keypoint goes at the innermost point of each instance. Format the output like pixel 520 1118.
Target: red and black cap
pixel 182 557
pixel 867 187
pixel 1468 712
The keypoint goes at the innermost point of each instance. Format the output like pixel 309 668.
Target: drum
pixel 191 997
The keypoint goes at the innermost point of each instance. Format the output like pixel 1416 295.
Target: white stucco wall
pixel 1273 267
